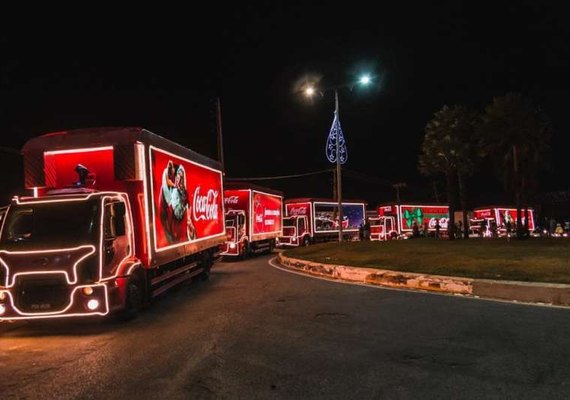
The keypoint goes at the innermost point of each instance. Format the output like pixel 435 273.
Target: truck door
pixel 3 211
pixel 116 240
pixel 301 226
pixel 389 228
pixel 241 229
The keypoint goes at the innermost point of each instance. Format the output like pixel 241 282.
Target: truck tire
pixel 306 241
pixel 244 251
pixel 134 299
pixel 271 246
pixel 206 265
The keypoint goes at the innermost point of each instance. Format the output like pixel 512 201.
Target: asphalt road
pixel 255 332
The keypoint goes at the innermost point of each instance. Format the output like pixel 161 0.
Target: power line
pixel 266 178
pixel 10 150
pixel 365 177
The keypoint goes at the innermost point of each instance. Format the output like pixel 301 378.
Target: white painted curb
pixel 526 292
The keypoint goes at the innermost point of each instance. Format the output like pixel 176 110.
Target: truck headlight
pixel 232 246
pixel 93 304
pixel 2 309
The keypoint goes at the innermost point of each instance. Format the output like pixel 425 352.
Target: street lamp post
pixel 340 148
pixel 338 170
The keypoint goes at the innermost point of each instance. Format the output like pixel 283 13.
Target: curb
pixel 525 292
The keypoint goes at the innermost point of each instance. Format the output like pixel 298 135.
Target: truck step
pixel 172 273
pixel 158 291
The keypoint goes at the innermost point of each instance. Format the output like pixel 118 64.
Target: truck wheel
pixel 206 265
pixel 134 299
pixel 244 251
pixel 271 246
pixel 306 241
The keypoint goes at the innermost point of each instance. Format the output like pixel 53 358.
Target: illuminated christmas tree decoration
pixel 331 148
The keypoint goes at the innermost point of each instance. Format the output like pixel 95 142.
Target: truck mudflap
pixel 49 297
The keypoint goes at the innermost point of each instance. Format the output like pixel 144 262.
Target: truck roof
pixel 67 193
pixel 500 206
pixel 110 136
pixel 414 203
pixel 321 199
pixel 237 185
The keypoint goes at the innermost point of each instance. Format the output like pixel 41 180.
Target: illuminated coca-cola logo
pixel 442 223
pixel 298 210
pixel 231 200
pixel 205 206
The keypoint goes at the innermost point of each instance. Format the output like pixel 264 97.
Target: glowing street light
pixel 364 79
pixel 309 91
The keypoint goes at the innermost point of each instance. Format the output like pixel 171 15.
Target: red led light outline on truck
pixel 239 241
pixel 60 314
pixel 399 213
pixel 309 207
pixel 111 196
pixel 223 233
pixel 81 150
pixel 69 281
pixel 141 155
pixel 251 192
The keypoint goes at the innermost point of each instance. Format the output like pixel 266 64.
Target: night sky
pixel 161 70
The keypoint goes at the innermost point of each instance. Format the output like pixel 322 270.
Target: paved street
pixel 256 332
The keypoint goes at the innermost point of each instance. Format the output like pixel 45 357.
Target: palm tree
pixel 448 149
pixel 515 134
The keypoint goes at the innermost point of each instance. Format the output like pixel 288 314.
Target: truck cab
pixel 117 217
pixel 383 228
pixel 236 237
pixel 296 231
pixel 253 219
pixel 65 254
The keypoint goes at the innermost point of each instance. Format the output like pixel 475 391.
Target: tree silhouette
pixel 448 149
pixel 515 134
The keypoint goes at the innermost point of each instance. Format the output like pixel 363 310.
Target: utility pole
pixel 219 134
pixel 398 186
pixel 436 194
pixel 338 170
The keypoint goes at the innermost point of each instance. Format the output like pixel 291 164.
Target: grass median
pixel 532 260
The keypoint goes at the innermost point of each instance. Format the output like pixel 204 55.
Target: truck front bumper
pixel 286 241
pixel 230 249
pixel 22 302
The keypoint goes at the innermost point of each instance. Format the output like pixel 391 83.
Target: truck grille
pixel 41 294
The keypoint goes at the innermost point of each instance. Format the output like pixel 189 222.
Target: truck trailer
pixel 396 221
pixel 117 217
pixel 310 220
pixel 254 219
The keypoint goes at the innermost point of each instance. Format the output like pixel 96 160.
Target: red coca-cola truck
pixel 310 220
pixel 397 221
pixel 498 220
pixel 254 219
pixel 117 216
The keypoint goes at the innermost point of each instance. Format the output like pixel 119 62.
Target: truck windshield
pixel 50 225
pixel 288 222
